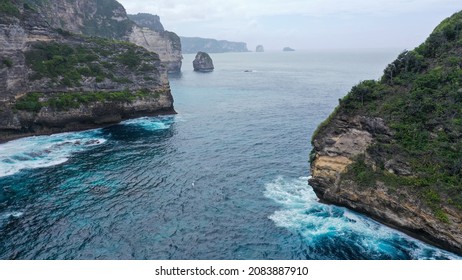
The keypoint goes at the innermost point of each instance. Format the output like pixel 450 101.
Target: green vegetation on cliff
pixel 109 27
pixel 104 18
pixel 69 64
pixel 56 77
pixel 6 62
pixel 148 20
pixel 420 99
pixel 34 102
pixel 8 8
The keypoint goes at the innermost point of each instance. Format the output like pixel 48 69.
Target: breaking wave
pixel 45 151
pixel 326 227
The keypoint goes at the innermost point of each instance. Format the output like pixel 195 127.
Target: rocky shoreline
pixel 391 149
pixel 337 148
pixel 55 78
pixel 82 126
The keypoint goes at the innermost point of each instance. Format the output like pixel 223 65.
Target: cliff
pixel 196 44
pixel 392 148
pixel 147 20
pixel 167 44
pixel 52 80
pixel 151 35
pixel 102 18
pixel 108 19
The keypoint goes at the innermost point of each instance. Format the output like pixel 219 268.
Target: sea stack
pixel 260 48
pixel 203 62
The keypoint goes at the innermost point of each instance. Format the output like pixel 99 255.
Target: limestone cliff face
pixel 149 21
pixel 54 81
pixel 108 19
pixel 338 147
pixel 102 18
pixel 166 44
pixel 392 147
pixel 151 35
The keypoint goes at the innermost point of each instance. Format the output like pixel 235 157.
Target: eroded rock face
pixel 151 35
pixel 149 21
pixel 203 62
pixel 108 19
pixel 104 82
pixel 105 18
pixel 166 44
pixel 338 146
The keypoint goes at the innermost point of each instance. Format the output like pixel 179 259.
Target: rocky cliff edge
pixel 108 19
pixel 53 81
pixel 392 148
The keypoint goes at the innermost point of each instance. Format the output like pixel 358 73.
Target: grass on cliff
pixel 67 64
pixel 365 176
pixel 8 8
pixel 34 102
pixel 420 98
pixel 6 62
pixel 64 63
pixel 102 23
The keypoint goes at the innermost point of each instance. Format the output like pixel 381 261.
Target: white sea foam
pixel 151 123
pixel 302 213
pixel 15 214
pixel 44 151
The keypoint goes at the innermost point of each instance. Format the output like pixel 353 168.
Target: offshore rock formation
pixel 53 81
pixel 203 62
pixel 392 148
pixel 288 49
pixel 196 44
pixel 259 48
pixel 108 19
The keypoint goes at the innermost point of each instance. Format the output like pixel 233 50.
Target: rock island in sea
pixel 392 148
pixel 259 48
pixel 203 62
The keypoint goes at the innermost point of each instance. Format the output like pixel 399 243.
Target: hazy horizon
pixel 302 24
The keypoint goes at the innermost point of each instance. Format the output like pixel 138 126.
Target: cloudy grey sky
pixel 303 24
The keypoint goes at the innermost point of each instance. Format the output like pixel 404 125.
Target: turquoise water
pixel 226 178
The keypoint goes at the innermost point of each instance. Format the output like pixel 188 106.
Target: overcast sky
pixel 303 24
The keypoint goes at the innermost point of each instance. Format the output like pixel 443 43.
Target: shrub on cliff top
pixel 30 102
pixel 34 102
pixel 8 8
pixel 7 62
pixel 420 99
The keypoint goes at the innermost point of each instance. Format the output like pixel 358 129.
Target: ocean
pixel 225 178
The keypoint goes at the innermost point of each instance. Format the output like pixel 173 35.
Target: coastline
pixel 419 235
pixel 85 126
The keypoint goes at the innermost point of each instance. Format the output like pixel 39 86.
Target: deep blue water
pixel 226 178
